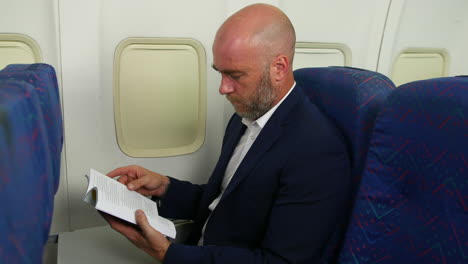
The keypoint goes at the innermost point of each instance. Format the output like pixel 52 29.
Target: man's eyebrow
pixel 226 71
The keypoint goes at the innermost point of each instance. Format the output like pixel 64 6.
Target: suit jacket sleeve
pixel 303 217
pixel 181 200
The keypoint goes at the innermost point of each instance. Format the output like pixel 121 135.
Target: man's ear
pixel 280 68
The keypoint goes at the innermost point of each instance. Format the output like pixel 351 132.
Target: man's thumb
pixel 143 223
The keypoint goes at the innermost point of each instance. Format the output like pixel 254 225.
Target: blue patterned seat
pixel 351 98
pixel 412 205
pixel 43 78
pixel 30 148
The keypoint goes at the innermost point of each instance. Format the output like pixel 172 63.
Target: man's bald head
pixel 259 26
pixel 253 50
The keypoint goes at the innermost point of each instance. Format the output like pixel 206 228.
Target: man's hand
pixel 144 236
pixel 144 181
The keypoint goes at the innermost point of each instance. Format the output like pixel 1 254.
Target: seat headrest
pixel 351 98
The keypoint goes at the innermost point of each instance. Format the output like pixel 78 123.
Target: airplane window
pixel 17 48
pixel 414 64
pixel 159 96
pixel 321 55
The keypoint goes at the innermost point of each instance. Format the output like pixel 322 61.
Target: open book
pixel 112 197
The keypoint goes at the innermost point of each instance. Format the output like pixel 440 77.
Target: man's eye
pixel 235 77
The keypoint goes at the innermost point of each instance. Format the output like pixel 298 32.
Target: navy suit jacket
pixel 284 202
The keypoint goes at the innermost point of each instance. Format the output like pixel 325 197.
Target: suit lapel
pixel 232 139
pixel 272 131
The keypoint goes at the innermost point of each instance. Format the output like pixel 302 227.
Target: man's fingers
pixel 143 223
pixel 125 229
pixel 121 171
pixel 157 244
pixel 118 172
pixel 136 184
pixel 132 234
pixel 112 220
pixel 123 179
pixel 118 224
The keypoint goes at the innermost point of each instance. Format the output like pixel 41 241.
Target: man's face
pixel 245 80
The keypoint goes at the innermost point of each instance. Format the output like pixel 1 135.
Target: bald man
pixel 281 184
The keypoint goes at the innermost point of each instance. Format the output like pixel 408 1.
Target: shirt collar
pixel 261 121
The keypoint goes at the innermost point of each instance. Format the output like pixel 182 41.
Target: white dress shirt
pixel 250 135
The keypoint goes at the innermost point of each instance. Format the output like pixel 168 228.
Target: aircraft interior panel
pixel 321 55
pixel 413 65
pixel 358 25
pixel 88 47
pixel 419 25
pixel 157 115
pixel 16 48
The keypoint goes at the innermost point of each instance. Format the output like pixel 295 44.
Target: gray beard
pixel 262 100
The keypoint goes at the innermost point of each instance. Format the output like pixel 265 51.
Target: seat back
pixel 43 78
pixel 412 204
pixel 30 147
pixel 351 98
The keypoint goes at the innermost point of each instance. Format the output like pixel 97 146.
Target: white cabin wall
pixel 438 24
pixel 357 24
pixel 91 31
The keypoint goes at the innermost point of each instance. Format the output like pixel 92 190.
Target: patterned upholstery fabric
pixel 412 205
pixel 44 79
pixel 351 98
pixel 30 147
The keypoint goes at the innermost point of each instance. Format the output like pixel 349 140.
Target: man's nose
pixel 226 86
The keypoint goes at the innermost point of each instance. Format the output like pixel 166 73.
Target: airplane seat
pixel 31 140
pixel 351 98
pixel 44 78
pixel 412 204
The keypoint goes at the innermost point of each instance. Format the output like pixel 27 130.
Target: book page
pixel 114 198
